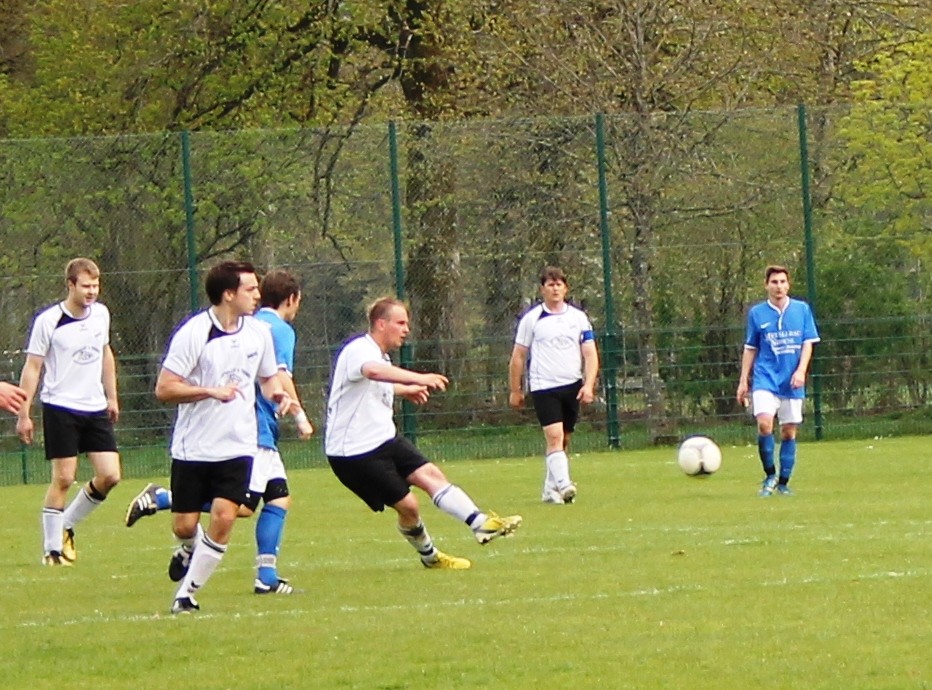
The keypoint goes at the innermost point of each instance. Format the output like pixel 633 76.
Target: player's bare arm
pixel 515 371
pixel 389 373
pixel 174 389
pixel 303 425
pixel 271 387
pixel 747 363
pixel 798 380
pixel 29 383
pixel 110 385
pixel 590 372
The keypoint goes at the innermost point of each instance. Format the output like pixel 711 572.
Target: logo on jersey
pixel 234 377
pixel 563 342
pixel 86 355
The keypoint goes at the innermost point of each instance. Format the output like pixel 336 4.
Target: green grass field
pixel 651 580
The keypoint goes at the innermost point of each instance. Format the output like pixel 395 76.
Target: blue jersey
pixel 778 338
pixel 283 340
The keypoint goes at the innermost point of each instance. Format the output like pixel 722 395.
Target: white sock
pixel 80 507
pixel 52 526
pixel 204 561
pixel 550 483
pixel 558 468
pixel 454 501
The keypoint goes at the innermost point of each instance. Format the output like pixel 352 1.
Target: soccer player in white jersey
pixel 777 350
pixel 555 347
pixel 281 299
pixel 71 341
pixel 210 371
pixel 371 460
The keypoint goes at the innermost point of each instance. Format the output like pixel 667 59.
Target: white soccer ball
pixel 699 455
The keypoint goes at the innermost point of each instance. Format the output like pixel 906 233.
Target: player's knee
pixel 221 525
pixel 63 480
pixel 105 482
pixel 184 527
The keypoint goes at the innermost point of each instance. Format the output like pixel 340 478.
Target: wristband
pixel 301 417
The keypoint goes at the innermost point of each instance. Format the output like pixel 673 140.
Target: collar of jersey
pixel 216 322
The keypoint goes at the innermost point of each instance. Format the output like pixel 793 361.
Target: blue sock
pixel 787 459
pixel 765 446
pixel 269 528
pixel 163 499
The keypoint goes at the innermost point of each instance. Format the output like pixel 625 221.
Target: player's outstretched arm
pixel 389 373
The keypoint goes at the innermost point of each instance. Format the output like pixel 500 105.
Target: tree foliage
pixel 693 159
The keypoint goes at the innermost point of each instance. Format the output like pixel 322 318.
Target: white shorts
pixel 786 410
pixel 266 466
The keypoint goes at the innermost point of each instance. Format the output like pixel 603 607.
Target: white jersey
pixel 359 410
pixel 205 355
pixel 554 340
pixel 72 350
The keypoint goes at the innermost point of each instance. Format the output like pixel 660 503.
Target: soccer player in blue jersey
pixel 280 301
pixel 777 350
pixel 555 348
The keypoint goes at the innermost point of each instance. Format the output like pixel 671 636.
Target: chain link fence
pixel 664 225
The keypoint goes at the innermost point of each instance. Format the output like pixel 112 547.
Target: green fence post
pixel 408 421
pixel 810 260
pixel 189 217
pixel 24 461
pixel 610 339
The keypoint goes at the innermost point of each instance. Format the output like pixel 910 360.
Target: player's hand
pixel 286 404
pixel 585 395
pixel 305 430
pixel 434 381
pixel 25 429
pixel 415 393
pixel 741 395
pixel 798 379
pixel 225 393
pixel 113 411
pixel 11 397
pixel 516 400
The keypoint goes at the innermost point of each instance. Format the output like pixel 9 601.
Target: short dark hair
pixel 225 276
pixel 382 307
pixel 277 286
pixel 552 273
pixel 775 269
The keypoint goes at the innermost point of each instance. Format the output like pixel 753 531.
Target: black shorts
pixel 380 477
pixel 69 432
pixel 558 405
pixel 197 483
